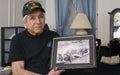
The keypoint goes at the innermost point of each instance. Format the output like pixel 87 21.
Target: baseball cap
pixel 32 6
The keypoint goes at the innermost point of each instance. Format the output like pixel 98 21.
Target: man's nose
pixel 37 20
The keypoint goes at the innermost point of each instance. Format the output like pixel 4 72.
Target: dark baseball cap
pixel 32 6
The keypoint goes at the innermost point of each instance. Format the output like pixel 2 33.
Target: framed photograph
pixel 73 52
pixel 116 32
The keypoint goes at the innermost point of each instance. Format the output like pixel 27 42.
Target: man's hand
pixel 55 71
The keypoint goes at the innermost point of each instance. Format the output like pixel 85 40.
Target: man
pixel 30 50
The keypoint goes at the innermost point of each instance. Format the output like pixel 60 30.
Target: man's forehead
pixel 37 13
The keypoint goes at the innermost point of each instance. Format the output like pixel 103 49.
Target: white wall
pixel 50 14
pixel 3 17
pixel 105 6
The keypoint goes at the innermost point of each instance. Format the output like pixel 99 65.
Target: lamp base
pixel 81 32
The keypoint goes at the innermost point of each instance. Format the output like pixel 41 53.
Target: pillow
pixel 105 59
pixel 113 60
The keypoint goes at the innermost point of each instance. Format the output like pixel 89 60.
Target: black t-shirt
pixel 33 50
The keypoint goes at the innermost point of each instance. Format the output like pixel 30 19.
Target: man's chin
pixel 39 32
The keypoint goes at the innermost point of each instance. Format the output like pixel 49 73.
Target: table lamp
pixel 80 23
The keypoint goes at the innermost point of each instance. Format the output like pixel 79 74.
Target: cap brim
pixel 42 10
pixel 37 9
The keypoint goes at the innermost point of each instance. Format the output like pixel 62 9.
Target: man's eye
pixel 41 16
pixel 32 18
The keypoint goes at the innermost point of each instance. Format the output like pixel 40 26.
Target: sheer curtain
pixel 66 11
pixel 89 8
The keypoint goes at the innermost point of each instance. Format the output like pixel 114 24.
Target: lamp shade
pixel 81 22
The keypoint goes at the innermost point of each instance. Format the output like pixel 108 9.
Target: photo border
pixel 92 52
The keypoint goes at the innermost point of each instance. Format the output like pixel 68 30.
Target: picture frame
pixel 73 52
pixel 116 31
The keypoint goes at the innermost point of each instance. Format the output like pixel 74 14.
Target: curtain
pixel 61 9
pixel 66 11
pixel 89 8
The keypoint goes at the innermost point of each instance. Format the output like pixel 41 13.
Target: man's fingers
pixel 56 69
pixel 61 71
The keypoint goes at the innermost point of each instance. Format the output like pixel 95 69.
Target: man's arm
pixel 18 69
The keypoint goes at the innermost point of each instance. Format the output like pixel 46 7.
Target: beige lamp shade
pixel 81 23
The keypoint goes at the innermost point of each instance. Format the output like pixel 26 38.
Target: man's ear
pixel 24 23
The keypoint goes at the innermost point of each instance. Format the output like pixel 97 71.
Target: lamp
pixel 81 23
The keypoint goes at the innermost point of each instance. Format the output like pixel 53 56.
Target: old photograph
pixel 73 52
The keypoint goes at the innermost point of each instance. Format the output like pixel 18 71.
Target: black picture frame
pixel 73 52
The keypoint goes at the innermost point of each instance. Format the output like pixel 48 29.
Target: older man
pixel 30 50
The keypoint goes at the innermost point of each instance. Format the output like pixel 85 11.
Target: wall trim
pixel 14 13
pixel 9 13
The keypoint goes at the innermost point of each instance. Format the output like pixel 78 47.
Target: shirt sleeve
pixel 16 50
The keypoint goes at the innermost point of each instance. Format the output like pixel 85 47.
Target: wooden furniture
pixel 6 35
pixel 115 23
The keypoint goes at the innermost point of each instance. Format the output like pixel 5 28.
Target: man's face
pixel 35 23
